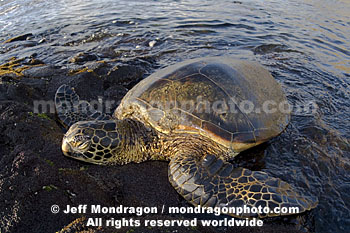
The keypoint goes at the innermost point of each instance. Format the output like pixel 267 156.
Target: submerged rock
pixel 19 38
pixel 83 57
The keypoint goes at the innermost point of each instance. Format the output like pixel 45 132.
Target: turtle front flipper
pixel 71 110
pixel 211 182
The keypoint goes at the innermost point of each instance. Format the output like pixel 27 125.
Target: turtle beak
pixel 66 148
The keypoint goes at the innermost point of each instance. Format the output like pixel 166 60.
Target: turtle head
pixel 92 141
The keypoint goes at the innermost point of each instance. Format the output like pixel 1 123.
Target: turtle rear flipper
pixel 71 110
pixel 211 182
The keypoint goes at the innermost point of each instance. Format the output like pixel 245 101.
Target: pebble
pixel 152 43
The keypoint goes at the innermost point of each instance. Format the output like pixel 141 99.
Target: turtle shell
pixel 236 103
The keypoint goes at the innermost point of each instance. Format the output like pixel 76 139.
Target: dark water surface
pixel 305 44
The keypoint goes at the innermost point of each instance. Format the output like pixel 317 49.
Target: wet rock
pixel 23 93
pixel 19 38
pixel 42 41
pixel 34 61
pixel 98 68
pixel 273 48
pixel 83 57
pixel 152 43
pixel 44 71
pixel 126 75
pixel 87 85
pixel 18 67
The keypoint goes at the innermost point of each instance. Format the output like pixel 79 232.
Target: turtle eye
pixel 83 146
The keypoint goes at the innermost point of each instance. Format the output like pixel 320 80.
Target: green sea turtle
pixel 190 114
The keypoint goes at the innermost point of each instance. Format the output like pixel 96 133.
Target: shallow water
pixel 305 44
